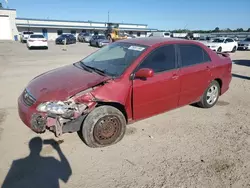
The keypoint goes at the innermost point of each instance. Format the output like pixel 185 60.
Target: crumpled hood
pixel 61 83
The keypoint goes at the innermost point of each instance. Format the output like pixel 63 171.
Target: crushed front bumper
pixel 40 122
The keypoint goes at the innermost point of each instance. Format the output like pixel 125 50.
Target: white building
pixel 11 26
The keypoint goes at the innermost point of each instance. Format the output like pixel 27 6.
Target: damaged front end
pixel 63 116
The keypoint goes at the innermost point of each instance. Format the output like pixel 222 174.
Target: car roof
pixel 150 41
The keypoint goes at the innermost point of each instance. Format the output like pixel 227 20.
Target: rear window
pixel 28 32
pixel 36 36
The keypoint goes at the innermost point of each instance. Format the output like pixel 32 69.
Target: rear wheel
pixel 210 96
pixel 234 49
pixel 103 126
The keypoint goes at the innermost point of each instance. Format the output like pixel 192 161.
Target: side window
pixel 191 54
pixel 229 40
pixel 162 59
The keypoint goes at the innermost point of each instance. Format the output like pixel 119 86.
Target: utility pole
pixel 108 16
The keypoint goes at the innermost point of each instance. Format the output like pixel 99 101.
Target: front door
pixel 195 74
pixel 161 92
pixel 229 45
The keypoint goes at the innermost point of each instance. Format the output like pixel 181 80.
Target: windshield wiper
pixel 85 67
pixel 99 71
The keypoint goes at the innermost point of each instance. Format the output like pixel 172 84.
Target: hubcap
pixel 212 94
pixel 107 130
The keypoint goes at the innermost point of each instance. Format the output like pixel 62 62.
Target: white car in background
pixel 37 41
pixel 25 35
pixel 223 44
pixel 160 34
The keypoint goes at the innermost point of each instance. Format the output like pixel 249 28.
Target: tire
pixel 92 131
pixel 110 39
pixel 204 99
pixel 234 49
pixel 219 49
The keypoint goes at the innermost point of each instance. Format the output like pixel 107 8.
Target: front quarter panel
pixel 118 91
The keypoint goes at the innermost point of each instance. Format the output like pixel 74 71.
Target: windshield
pixel 27 32
pixel 247 39
pixel 101 37
pixel 115 58
pixel 218 40
pixel 36 36
pixel 64 36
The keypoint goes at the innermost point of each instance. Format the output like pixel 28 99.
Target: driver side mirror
pixel 144 73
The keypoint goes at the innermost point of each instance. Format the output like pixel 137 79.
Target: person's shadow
pixel 35 171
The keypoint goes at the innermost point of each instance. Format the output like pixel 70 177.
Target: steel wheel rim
pixel 107 129
pixel 212 94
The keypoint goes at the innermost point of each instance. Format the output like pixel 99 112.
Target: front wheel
pixel 210 96
pixel 110 39
pixel 103 126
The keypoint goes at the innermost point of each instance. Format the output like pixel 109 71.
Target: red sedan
pixel 121 83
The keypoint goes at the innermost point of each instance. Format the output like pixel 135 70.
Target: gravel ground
pixel 186 147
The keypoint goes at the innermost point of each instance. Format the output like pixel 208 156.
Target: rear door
pixel 195 72
pixel 160 92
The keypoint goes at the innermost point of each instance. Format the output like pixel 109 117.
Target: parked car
pixel 244 44
pixel 223 44
pixel 121 83
pixel 84 37
pixel 25 35
pixel 70 39
pixel 37 41
pixel 160 34
pixel 99 41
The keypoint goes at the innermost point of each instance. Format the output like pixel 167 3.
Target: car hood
pixel 213 44
pixel 244 42
pixel 103 40
pixel 61 83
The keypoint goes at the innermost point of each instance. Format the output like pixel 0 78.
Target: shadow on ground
pixel 241 76
pixel 242 62
pixel 38 171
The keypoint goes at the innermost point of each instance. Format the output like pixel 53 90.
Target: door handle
pixel 175 76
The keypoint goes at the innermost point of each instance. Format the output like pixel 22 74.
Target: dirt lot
pixel 187 147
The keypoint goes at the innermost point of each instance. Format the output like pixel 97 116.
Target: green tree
pixel 217 29
pixel 248 30
pixel 240 29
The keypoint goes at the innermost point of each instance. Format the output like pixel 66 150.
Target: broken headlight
pixel 55 107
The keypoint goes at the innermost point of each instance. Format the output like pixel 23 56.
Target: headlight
pixel 57 107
